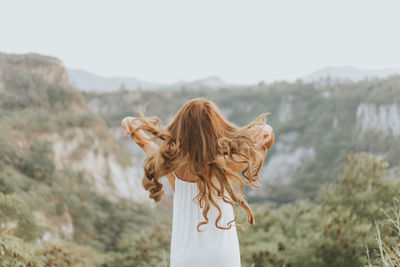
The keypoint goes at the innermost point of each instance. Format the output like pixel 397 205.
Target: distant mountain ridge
pixel 90 82
pixel 348 73
pixel 211 82
pixel 87 81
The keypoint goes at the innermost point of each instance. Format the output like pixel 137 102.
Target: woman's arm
pixel 128 125
pixel 143 140
pixel 263 135
pixel 149 147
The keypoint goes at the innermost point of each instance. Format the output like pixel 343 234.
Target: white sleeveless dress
pixel 212 247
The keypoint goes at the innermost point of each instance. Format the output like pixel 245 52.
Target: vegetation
pixel 50 216
pixel 322 116
pixel 389 254
pixel 39 202
pixel 332 231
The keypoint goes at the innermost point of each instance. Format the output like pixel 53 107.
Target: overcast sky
pixel 239 41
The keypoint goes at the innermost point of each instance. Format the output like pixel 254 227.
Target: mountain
pixel 211 82
pixel 87 81
pixel 348 73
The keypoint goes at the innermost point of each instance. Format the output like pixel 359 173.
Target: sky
pixel 238 41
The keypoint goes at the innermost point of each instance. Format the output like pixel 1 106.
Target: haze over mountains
pixel 87 81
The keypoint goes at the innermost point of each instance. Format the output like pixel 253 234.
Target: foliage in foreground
pixel 15 252
pixel 334 231
pixel 389 254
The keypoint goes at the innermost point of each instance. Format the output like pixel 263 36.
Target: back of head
pixel 201 140
pixel 197 127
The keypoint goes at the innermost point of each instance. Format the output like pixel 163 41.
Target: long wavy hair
pixel 201 140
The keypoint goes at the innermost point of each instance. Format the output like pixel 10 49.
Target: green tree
pixel 334 230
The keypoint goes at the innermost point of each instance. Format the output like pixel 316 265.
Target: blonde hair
pixel 202 140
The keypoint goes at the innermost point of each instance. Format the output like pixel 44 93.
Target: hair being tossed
pixel 202 140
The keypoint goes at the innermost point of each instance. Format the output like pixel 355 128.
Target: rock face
pixel 281 168
pixel 92 152
pixel 286 161
pixel 2 88
pixel 382 118
pixel 101 170
pixel 285 109
pixel 48 68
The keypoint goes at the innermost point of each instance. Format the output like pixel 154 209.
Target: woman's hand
pixel 263 135
pixel 129 124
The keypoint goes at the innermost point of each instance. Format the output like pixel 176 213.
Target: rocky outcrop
pixel 284 163
pixel 48 68
pixel 285 109
pixel 2 87
pixel 381 118
pixel 99 169
pixel 281 168
pixel 91 152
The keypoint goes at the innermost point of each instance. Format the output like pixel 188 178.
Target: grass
pixel 389 254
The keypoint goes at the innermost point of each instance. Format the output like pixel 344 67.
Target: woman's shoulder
pixel 184 176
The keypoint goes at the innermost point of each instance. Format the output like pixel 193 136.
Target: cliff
pixel 316 125
pixel 85 147
pixel 59 159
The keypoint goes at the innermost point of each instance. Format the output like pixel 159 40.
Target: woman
pixel 202 154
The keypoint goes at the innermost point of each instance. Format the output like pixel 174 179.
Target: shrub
pixel 388 251
pixel 13 210
pixel 39 164
pixel 334 230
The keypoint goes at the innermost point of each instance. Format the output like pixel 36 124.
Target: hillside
pixel 65 182
pixel 316 126
pixel 38 104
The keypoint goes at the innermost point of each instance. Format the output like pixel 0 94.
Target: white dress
pixel 212 247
